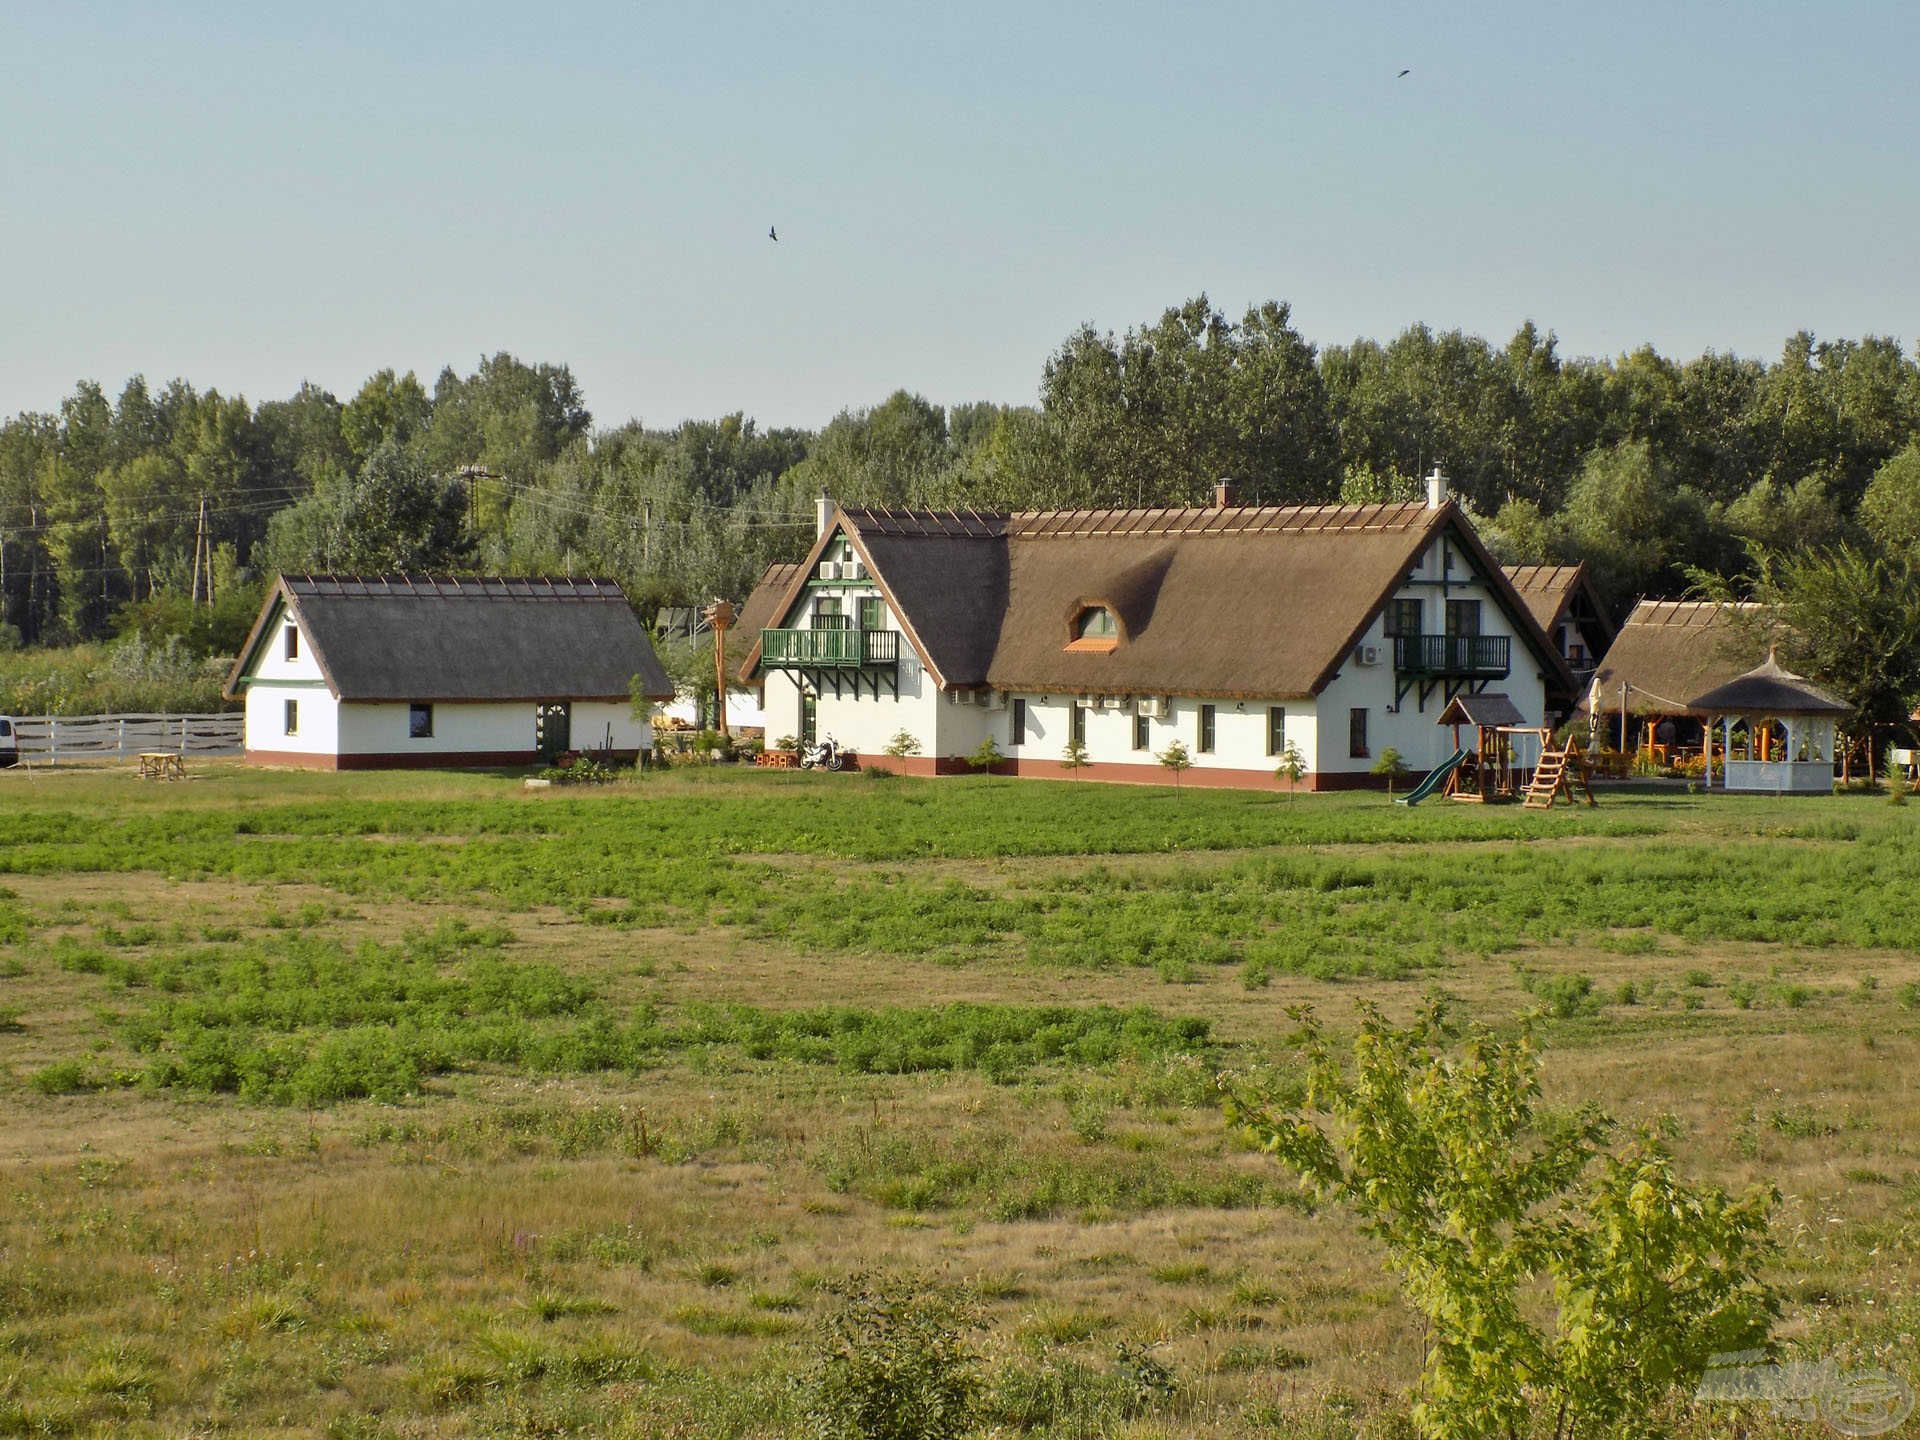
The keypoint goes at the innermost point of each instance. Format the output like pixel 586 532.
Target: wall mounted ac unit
pixel 1366 655
pixel 854 570
pixel 1154 707
pixel 994 699
pixel 829 569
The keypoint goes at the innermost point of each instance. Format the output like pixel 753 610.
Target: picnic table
pixel 162 765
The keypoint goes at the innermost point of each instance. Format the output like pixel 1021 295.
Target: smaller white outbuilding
pixel 349 672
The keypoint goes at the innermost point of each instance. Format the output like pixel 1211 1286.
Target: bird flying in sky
pixel 772 234
pixel 1404 73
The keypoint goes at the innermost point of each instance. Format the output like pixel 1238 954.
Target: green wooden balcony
pixel 829 649
pixel 1455 657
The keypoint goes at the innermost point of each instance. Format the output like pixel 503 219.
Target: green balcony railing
pixel 1453 655
pixel 828 649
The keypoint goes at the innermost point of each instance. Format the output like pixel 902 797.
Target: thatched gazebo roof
pixel 1770 689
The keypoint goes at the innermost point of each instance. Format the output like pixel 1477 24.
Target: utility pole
pixel 199 544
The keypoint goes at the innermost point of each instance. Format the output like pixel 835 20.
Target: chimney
pixel 1436 489
pixel 822 515
pixel 1223 493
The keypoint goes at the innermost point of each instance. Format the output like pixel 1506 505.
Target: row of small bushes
pixel 131 676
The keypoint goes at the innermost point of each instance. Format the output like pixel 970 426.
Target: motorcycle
pixel 824 756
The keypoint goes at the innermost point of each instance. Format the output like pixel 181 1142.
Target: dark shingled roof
pixel 1672 650
pixel 412 637
pixel 1255 601
pixel 1481 710
pixel 1768 689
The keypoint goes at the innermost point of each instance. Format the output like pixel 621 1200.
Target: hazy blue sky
pixel 253 194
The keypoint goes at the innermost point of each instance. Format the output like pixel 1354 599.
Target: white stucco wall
pixel 319 732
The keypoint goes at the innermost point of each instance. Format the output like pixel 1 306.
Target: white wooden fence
pixel 121 737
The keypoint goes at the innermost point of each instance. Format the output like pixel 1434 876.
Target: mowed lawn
pixel 427 1105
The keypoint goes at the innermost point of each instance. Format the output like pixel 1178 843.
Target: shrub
pixel 903 744
pixel 1176 759
pixel 1074 757
pixel 1485 1206
pixel 894 1361
pixel 986 757
pixel 1392 765
pixel 1292 766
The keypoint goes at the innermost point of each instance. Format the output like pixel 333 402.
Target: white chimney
pixel 822 515
pixel 1436 489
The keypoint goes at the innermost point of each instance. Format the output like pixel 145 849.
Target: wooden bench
pixel 162 765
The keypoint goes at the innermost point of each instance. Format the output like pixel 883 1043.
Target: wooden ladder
pixel 1554 776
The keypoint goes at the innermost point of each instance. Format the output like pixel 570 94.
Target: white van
pixel 9 744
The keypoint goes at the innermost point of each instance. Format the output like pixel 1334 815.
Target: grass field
pixel 424 1105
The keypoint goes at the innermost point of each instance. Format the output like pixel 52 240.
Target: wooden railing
pixel 1489 655
pixel 828 649
pixel 72 737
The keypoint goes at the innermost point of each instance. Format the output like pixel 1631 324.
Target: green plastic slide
pixel 1436 777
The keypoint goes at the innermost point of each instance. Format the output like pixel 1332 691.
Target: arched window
pixel 1097 622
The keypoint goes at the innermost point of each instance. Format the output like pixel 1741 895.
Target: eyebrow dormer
pixel 1094 628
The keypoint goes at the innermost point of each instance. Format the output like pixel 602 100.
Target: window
pixel 291 638
pixel 827 613
pixel 1276 729
pixel 293 717
pixel 1204 739
pixel 1357 734
pixel 809 717
pixel 1017 727
pixel 1404 617
pixel 1463 617
pixel 872 613
pixel 419 722
pixel 1142 732
pixel 1097 623
pixel 1077 722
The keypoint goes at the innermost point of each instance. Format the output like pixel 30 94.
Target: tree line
pixel 164 509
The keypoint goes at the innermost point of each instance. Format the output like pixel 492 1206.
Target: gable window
pixel 828 613
pixel 1077 722
pixel 1142 732
pixel 419 721
pixel 1203 740
pixel 1357 734
pixel 1404 617
pixel 1276 729
pixel 1463 617
pixel 292 714
pixel 1017 724
pixel 290 638
pixel 872 613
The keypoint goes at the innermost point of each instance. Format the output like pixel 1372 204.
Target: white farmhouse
pixel 1235 630
pixel 379 672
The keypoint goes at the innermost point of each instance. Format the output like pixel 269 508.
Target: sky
pixel 253 195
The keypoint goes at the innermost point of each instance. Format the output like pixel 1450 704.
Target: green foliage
pixel 1391 765
pixel 985 757
pixel 1292 766
pixel 905 742
pixel 1074 757
pixel 131 676
pixel 1482 1201
pixel 894 1361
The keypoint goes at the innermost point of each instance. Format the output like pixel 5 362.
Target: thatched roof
pixel 1670 651
pixel 1550 590
pixel 1237 602
pixel 758 611
pixel 1481 710
pixel 1769 689
pixel 413 637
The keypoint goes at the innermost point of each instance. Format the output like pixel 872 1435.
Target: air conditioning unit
pixel 853 570
pixel 1154 707
pixel 1366 655
pixel 1113 702
pixel 829 569
pixel 994 699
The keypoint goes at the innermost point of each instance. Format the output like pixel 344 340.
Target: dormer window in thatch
pixel 1096 627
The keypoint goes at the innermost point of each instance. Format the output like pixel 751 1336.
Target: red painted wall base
pixel 1112 772
pixel 406 760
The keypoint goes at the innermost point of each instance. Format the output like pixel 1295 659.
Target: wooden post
pixel 720 615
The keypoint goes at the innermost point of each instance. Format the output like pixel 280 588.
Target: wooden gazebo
pixel 1777 731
